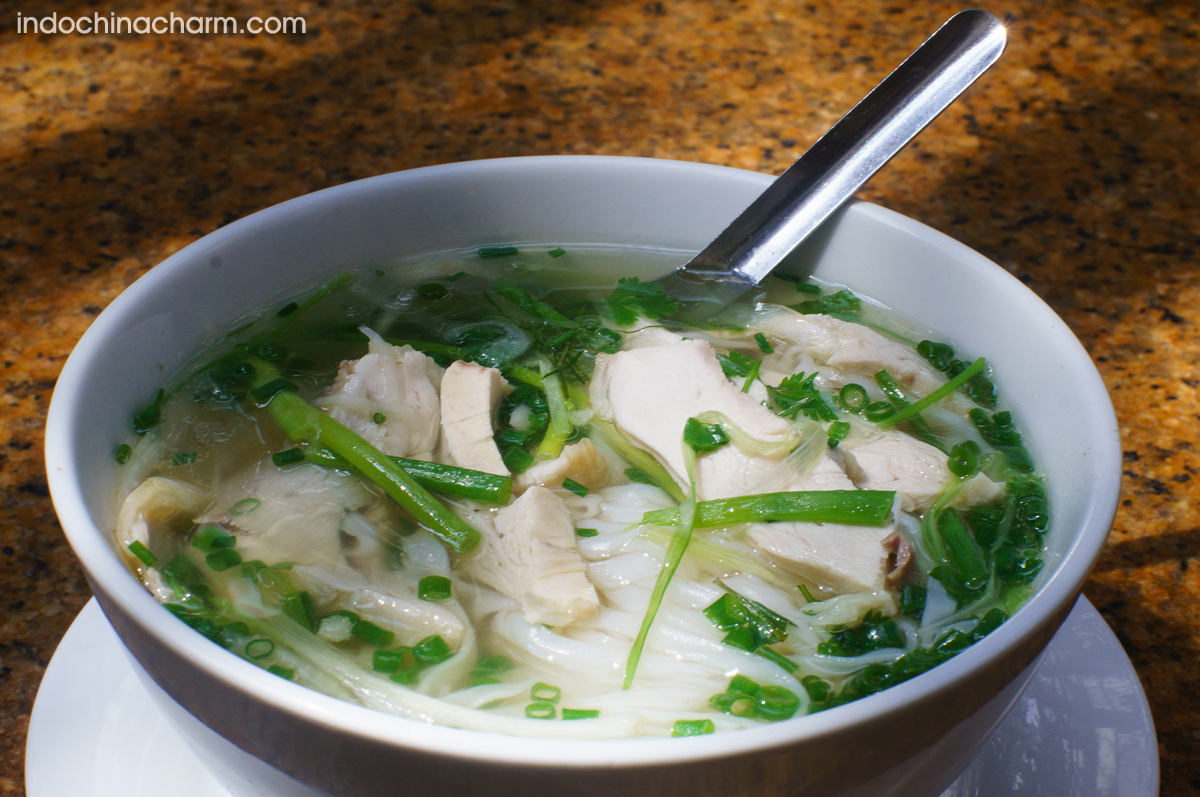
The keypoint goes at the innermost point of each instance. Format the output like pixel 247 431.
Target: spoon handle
pixel 855 148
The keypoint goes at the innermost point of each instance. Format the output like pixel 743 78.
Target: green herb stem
pixel 937 395
pixel 685 515
pixel 854 507
pixel 305 423
pixel 560 428
pixel 918 425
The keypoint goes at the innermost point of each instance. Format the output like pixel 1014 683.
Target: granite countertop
pixel 1070 164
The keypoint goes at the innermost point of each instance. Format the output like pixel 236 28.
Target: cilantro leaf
pixel 798 394
pixel 842 303
pixel 633 297
pixel 736 363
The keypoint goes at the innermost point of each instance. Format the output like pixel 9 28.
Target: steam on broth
pixel 495 491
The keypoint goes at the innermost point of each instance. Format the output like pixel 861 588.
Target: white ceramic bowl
pixel 903 740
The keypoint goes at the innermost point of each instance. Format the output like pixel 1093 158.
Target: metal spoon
pixel 837 165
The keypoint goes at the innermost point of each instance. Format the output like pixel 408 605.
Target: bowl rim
pixel 107 572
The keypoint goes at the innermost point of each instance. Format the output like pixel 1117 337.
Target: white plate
pixel 1082 728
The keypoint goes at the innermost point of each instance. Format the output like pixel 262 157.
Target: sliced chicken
pixel 799 472
pixel 470 396
pixel 157 504
pixel 156 509
pixel 650 336
pixel 650 393
pixel 293 515
pixel 396 383
pixel 580 462
pixel 896 461
pixel 843 558
pixel 850 347
pixel 529 554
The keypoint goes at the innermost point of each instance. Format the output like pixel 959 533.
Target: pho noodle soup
pixel 496 491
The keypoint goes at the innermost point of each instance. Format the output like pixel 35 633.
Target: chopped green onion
pixel 283 672
pixel 856 507
pixel 939 355
pixel 223 560
pixel 912 601
pixel 122 454
pixel 545 693
pixel 854 397
pixel 213 538
pixel 818 689
pixel 540 711
pixel 776 703
pixel 298 606
pixel 879 411
pixel 244 507
pixel 692 728
pixel 290 457
pixel 764 345
pixel 183 458
pixel 586 532
pixel 575 487
pixel 372 634
pixel 517 459
pixel 962 551
pixel 432 650
pixel 778 658
pixel 580 713
pixel 434 588
pixel 557 251
pixel 148 417
pixel 963 462
pixel 837 432
pixel 264 393
pixel 259 648
pixel 142 552
pixel 751 375
pixel 704 436
pixel 982 392
pixel 379 417
pixel 393 661
pixel 485 670
pixel 497 251
pixel 808 287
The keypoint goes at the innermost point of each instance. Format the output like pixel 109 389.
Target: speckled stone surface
pixel 1073 164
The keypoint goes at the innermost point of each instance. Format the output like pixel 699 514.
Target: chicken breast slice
pixel 850 347
pixel 158 502
pixel 292 515
pixel 397 382
pixel 580 462
pixel 896 461
pixel 914 469
pixel 650 336
pixel 843 558
pixel 528 553
pixel 157 506
pixel 649 393
pixel 470 396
